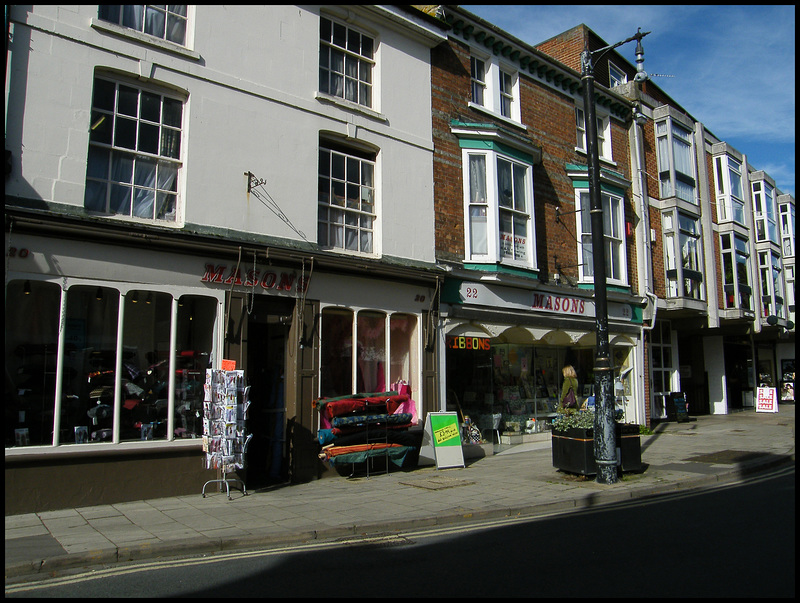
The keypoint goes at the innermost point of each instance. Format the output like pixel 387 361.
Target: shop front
pixel 505 351
pixel 107 347
pixel 105 355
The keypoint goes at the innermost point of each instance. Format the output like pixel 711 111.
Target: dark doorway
pixel 268 322
pixel 738 371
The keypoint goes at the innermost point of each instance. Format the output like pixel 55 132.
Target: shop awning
pixel 525 335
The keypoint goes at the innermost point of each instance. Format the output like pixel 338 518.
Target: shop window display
pixel 508 388
pixel 403 341
pixel 371 365
pixel 145 344
pixel 343 373
pixel 89 364
pixel 336 342
pixel 93 395
pixel 196 318
pixel 31 313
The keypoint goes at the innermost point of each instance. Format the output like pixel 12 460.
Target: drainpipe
pixel 644 245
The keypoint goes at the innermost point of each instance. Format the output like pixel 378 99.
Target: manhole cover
pixel 725 457
pixel 437 482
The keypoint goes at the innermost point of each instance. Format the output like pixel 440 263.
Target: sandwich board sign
pixel 766 399
pixel 441 441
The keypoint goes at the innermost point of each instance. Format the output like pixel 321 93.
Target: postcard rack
pixel 225 404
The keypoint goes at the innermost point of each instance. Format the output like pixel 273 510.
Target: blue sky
pixel 733 66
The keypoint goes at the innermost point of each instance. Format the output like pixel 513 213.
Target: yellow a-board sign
pixel 441 441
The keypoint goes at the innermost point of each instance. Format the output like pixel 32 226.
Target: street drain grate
pixel 726 457
pixel 437 482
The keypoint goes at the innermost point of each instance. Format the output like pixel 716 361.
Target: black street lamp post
pixel 605 448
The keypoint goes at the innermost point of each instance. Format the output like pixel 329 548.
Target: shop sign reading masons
pixel 485 295
pixel 266 280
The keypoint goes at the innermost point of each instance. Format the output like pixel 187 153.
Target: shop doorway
pixel 264 341
pixel 739 375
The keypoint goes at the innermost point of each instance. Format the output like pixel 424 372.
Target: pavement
pixel 516 482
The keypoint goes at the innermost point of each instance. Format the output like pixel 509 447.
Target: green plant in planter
pixel 569 418
pixel 583 419
pixel 573 448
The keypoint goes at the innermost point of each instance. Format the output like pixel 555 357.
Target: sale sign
pixel 766 399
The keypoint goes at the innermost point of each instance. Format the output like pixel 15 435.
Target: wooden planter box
pixel 573 449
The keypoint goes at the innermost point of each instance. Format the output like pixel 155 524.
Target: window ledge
pixel 686 303
pixel 505 120
pixel 142 38
pixel 737 314
pixel 133 220
pixel 28 453
pixel 350 106
pixel 605 160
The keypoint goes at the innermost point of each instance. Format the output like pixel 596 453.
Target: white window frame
pixel 616 76
pixel 771 277
pixel 738 285
pixel 128 19
pixel 500 94
pixel 683 255
pixel 160 186
pixel 348 216
pixel 730 192
pixel 663 362
pixel 677 175
pixel 483 211
pixel 613 232
pixel 764 212
pixel 787 217
pixel 478 80
pixel 603 133
pixel 358 82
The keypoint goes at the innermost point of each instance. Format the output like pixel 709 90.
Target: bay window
pixel 499 209
pixel 787 229
pixel 765 212
pixel 772 303
pixel 730 197
pixel 683 255
pixel 736 272
pixel 675 152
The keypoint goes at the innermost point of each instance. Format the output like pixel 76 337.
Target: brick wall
pixel 550 119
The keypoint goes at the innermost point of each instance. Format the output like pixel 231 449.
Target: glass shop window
pixel 89 364
pixel 31 313
pixel 336 364
pixel 371 365
pixel 404 363
pixel 145 363
pixel 195 340
pixel 343 373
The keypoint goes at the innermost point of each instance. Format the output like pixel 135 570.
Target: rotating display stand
pixel 225 405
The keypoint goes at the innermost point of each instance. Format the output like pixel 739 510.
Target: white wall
pixel 250 75
pixel 714 361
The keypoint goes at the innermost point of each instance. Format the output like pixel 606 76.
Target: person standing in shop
pixel 569 396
